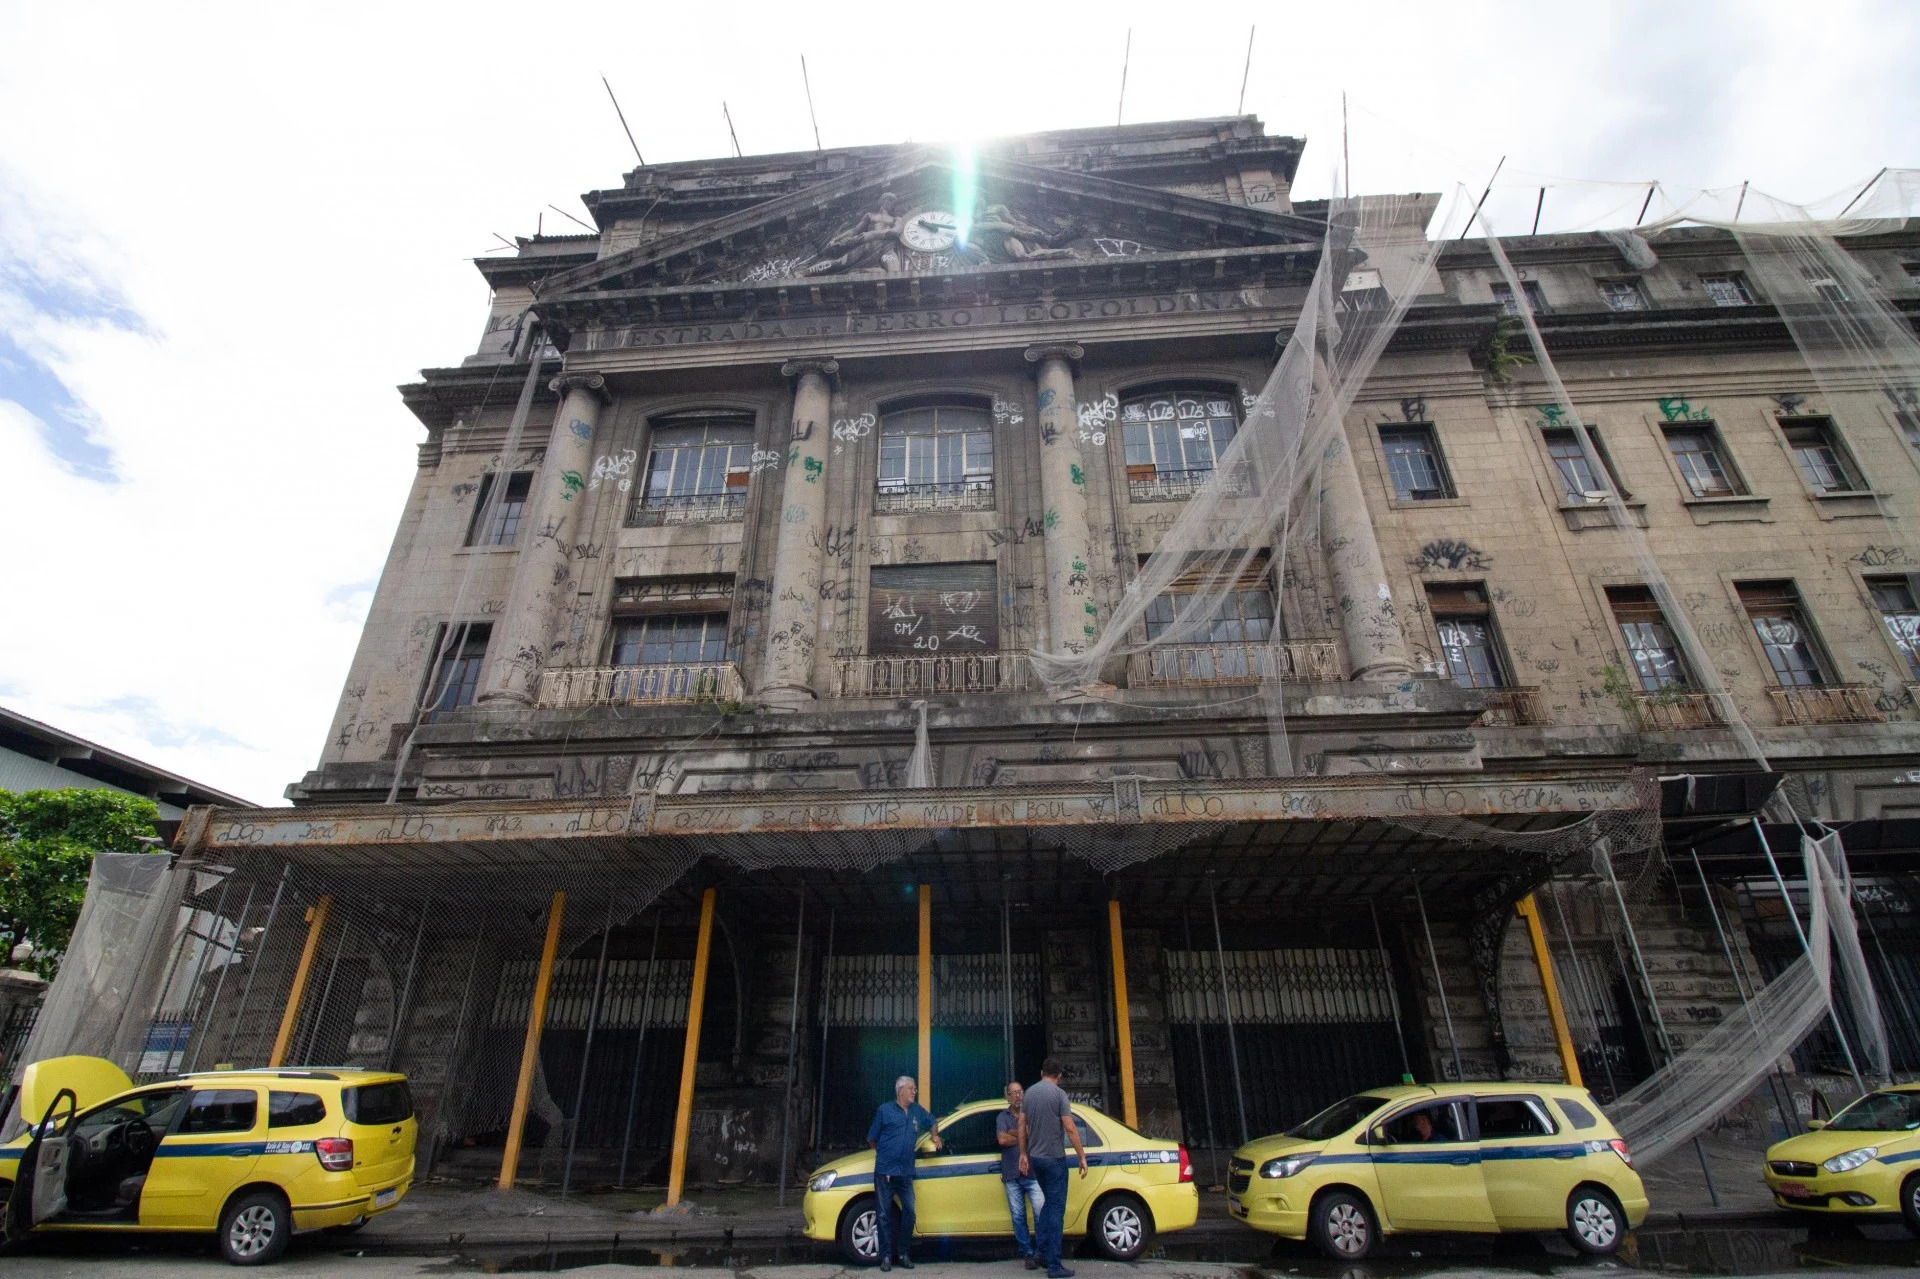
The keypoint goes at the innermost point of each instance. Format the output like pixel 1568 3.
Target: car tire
pixel 1595 1223
pixel 1121 1228
pixel 255 1228
pixel 859 1232
pixel 1341 1225
pixel 1910 1202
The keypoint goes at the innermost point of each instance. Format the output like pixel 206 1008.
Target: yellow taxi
pixel 1864 1162
pixel 251 1155
pixel 1476 1158
pixel 1135 1187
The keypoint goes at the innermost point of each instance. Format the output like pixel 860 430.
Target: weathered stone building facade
pixel 797 443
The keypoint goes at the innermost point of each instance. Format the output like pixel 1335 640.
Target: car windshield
pixel 1880 1112
pixel 1337 1118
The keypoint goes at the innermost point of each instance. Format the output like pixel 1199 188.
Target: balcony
pixel 726 507
pixel 926 674
pixel 956 495
pixel 1145 484
pixel 1198 665
pixel 1827 704
pixel 1657 712
pixel 1515 707
pixel 666 685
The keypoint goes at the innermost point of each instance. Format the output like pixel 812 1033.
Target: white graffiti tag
pixel 611 467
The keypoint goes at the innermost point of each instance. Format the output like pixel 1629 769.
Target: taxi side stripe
pixel 1899 1158
pixel 166 1151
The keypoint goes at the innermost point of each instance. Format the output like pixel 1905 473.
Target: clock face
pixel 931 231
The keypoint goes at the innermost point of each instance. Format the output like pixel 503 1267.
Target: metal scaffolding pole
pixel 233 948
pixel 326 989
pixel 793 1032
pixel 1739 985
pixel 200 962
pixel 1393 997
pixel 1833 1014
pixel 1200 1055
pixel 1226 1009
pixel 640 1048
pixel 1587 996
pixel 1006 983
pixel 1446 1011
pixel 586 1052
pixel 254 958
pixel 403 1010
pixel 826 1016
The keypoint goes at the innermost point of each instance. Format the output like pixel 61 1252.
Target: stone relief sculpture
pixel 1006 238
pixel 873 240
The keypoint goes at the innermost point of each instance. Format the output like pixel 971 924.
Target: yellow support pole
pixel 1122 1016
pixel 530 1050
pixel 926 996
pixel 316 924
pixel 690 1058
pixel 1563 1037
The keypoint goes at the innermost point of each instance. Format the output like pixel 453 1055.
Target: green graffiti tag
pixel 1551 416
pixel 1675 409
pixel 574 482
pixel 815 468
pixel 1053 518
pixel 1079 476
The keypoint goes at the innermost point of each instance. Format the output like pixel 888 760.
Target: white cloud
pixel 286 194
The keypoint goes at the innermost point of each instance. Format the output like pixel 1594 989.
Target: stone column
pixel 1369 628
pixel 523 636
pixel 1072 620
pixel 793 615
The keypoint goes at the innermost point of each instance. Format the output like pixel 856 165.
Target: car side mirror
pixel 1815 1125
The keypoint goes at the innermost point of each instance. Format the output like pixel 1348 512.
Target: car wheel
pixel 256 1228
pixel 860 1232
pixel 1595 1223
pixel 1341 1226
pixel 1121 1228
pixel 1910 1202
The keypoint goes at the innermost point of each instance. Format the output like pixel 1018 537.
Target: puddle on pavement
pixel 1743 1250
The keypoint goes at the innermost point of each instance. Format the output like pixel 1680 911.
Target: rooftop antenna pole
pixel 1241 109
pixel 1126 57
pixel 1538 205
pixel 1483 197
pixel 730 132
pixel 539 223
pixel 1743 200
pixel 810 115
pixel 1647 203
pixel 1346 156
pixel 1863 190
pixel 569 217
pixel 623 123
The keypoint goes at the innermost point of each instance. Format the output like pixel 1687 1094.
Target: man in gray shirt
pixel 1045 1135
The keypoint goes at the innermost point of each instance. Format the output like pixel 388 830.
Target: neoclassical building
pixel 692 778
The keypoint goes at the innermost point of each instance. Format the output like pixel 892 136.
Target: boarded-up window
pixel 933 608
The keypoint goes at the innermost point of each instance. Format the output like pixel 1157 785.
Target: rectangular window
pixel 937 455
pixel 1574 466
pixel 221 1110
pixel 1464 618
pixel 1413 463
pixel 698 465
pixel 502 524
pixel 1909 423
pixel 1727 289
pixel 1696 451
pixel 1651 646
pixel 1913 271
pixel 1173 440
pixel 1893 596
pixel 1622 295
pixel 1824 285
pixel 1823 464
pixel 933 608
pixel 294 1109
pixel 1774 609
pixel 670 639
pixel 458 677
pixel 1503 294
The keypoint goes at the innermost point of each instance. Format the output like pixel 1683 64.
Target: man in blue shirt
pixel 896 1129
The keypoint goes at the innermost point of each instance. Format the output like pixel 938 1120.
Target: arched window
pixel 1174 436
pixel 697 468
pixel 936 455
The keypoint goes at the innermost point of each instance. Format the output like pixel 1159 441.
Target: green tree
pixel 47 842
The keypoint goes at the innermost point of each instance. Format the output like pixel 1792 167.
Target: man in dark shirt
pixel 1049 1126
pixel 1022 1189
pixel 896 1129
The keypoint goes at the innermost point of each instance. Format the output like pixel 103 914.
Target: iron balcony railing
pixel 1147 485
pixel 915 675
pixel 1827 704
pixel 725 507
pixel 674 682
pixel 1674 709
pixel 954 495
pixel 1303 661
pixel 1512 707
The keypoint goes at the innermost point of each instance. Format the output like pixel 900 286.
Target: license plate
pixel 1795 1190
pixel 385 1198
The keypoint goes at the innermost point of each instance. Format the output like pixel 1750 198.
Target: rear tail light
pixel 1620 1148
pixel 1186 1165
pixel 334 1153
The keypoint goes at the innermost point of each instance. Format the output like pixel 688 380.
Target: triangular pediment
pixel 926 215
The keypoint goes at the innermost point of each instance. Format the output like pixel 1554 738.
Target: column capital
pixel 1068 351
pixel 592 383
pixel 825 365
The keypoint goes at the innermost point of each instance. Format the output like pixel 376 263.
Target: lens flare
pixel 966 188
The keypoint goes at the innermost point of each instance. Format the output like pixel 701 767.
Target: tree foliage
pixel 47 842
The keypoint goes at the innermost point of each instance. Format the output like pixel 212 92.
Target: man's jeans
pixel 1019 1194
pixel 894 1241
pixel 1052 1217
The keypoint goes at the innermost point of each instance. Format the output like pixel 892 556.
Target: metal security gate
pixel 1310 1026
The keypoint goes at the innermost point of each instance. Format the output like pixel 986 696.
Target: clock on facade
pixel 931 231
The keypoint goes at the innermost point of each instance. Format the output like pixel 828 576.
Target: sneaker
pixel 1059 1272
pixel 906 1263
pixel 1033 1263
pixel 885 1265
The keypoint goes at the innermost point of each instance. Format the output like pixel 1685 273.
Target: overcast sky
pixel 227 233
